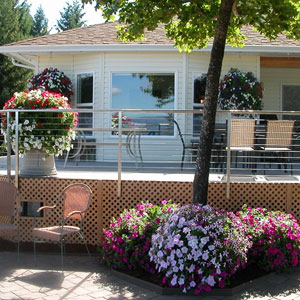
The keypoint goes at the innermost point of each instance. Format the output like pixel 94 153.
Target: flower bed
pixel 198 247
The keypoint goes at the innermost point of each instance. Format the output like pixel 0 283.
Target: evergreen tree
pixel 14 26
pixel 71 16
pixel 25 19
pixel 40 23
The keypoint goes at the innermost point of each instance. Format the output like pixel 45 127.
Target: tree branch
pixel 234 9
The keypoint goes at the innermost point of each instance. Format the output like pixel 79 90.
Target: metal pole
pixel 120 154
pixel 8 147
pixel 228 164
pixel 17 150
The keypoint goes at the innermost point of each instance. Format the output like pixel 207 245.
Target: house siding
pixel 185 66
pixel 273 79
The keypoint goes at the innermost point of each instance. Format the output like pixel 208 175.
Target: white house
pixel 110 74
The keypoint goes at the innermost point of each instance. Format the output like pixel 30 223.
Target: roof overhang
pixel 29 52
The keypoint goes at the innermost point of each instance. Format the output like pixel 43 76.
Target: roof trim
pixel 141 47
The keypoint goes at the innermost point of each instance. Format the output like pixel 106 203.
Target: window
pixel 198 101
pixel 85 99
pixel 145 91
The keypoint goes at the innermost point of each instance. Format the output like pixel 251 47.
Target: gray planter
pixel 36 163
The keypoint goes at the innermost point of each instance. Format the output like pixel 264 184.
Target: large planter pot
pixel 37 163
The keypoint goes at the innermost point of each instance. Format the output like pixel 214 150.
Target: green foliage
pixel 191 24
pixel 40 23
pixel 15 24
pixel 71 16
pixel 25 19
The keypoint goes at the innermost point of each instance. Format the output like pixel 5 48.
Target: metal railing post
pixel 17 150
pixel 8 147
pixel 228 163
pixel 120 154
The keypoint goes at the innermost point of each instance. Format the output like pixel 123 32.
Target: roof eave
pixel 29 49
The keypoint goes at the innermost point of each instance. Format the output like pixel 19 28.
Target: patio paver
pixel 85 279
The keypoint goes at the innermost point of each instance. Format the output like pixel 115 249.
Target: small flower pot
pixel 37 163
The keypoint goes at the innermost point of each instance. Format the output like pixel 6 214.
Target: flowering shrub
pixel 50 132
pixel 126 243
pixel 199 247
pixel 275 237
pixel 53 81
pixel 241 91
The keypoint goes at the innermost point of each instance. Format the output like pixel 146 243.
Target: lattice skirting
pixel 106 204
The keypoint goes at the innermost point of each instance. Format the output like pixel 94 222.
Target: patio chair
pixel 184 145
pixel 242 137
pixel 10 213
pixel 279 140
pixel 76 201
pixel 79 145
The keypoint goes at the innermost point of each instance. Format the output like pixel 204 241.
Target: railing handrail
pixel 173 111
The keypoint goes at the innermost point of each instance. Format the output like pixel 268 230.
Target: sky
pixel 53 7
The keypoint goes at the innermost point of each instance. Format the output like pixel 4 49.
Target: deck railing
pixel 246 145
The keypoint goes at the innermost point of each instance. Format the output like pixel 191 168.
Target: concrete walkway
pixel 84 279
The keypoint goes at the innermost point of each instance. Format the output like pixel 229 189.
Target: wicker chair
pixel 279 140
pixel 242 137
pixel 10 213
pixel 77 198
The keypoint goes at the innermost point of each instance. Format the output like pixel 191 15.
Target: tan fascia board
pixel 269 49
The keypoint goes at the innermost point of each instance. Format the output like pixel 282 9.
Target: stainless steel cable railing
pixel 247 144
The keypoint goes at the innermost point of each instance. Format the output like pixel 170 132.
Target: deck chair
pixel 279 140
pixel 76 201
pixel 184 145
pixel 79 145
pixel 10 213
pixel 242 137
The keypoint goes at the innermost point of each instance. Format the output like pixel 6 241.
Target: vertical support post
pixel 120 154
pixel 228 163
pixel 8 147
pixel 17 150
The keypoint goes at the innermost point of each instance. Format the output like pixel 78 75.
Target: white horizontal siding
pixel 184 65
pixel 273 79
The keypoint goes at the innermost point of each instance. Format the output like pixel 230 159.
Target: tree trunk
pixel 210 106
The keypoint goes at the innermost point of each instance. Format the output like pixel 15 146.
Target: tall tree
pixel 14 26
pixel 71 16
pixel 25 19
pixel 191 24
pixel 40 23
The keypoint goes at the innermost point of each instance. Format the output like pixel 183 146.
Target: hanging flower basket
pixel 50 132
pixel 52 80
pixel 41 135
pixel 240 91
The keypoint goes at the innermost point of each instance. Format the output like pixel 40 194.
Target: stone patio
pixel 84 279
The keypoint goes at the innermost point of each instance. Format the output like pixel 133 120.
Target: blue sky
pixel 53 7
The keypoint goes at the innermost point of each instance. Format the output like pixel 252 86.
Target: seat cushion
pixel 54 233
pixel 241 148
pixel 276 149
